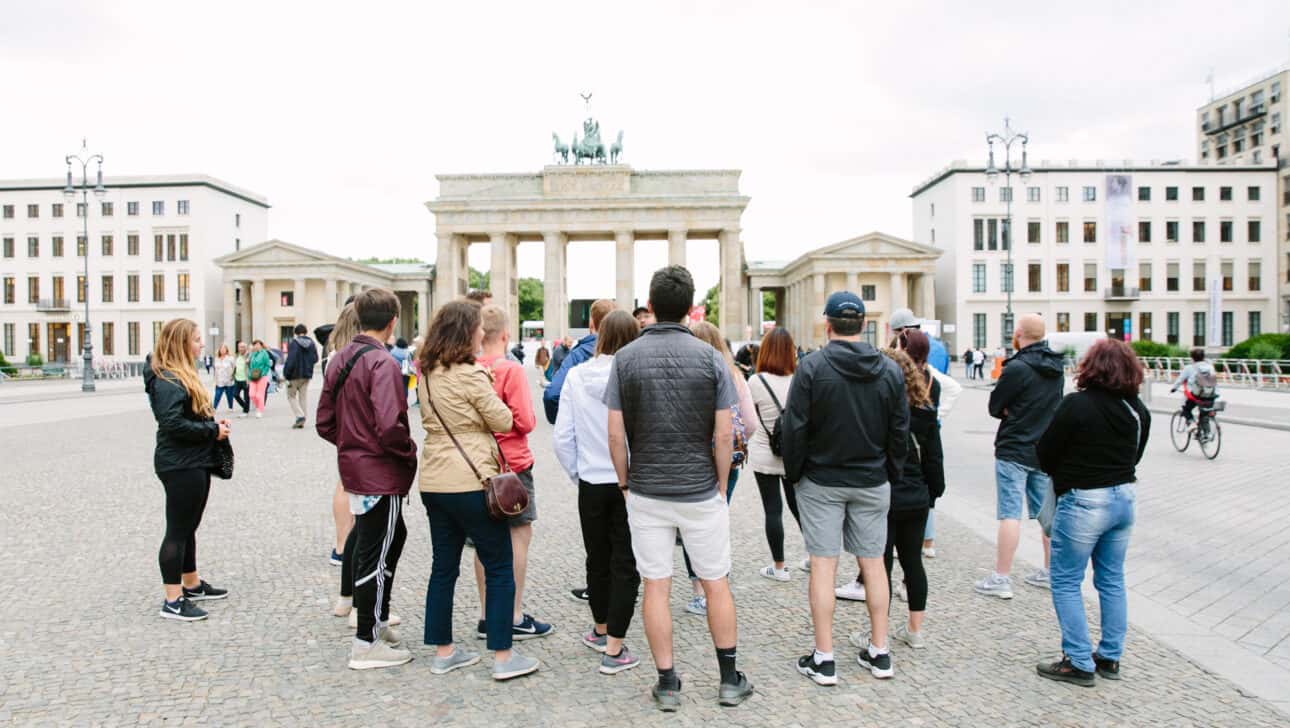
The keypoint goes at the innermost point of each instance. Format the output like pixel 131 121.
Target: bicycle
pixel 1205 429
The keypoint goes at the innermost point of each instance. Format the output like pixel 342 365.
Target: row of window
pixel 107 289
pixel 60 344
pixel 106 209
pixel 1120 285
pixel 1118 324
pixel 1253 193
pixel 991 233
pixel 165 247
pixel 1239 108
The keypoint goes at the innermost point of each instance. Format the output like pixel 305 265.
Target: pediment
pixel 875 245
pixel 274 252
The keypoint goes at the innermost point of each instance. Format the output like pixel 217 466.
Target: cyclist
pixel 1199 382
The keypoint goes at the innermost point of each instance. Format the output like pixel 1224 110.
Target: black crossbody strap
pixel 349 367
pixel 773 398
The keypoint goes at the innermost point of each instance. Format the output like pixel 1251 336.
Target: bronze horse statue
pixel 616 149
pixel 561 150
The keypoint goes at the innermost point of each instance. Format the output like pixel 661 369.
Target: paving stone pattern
pixel 82 643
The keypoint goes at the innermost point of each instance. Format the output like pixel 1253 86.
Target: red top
pixel 511 384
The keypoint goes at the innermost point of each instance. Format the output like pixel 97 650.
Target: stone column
pixel 676 246
pixel 259 310
pixel 330 310
pixel 555 302
pixel 354 289
pixel 230 315
pixel 754 311
pixel 424 301
pixel 818 296
pixel 927 296
pixel 298 301
pixel 625 269
pixel 244 327
pixel 853 282
pixel 445 269
pixel 502 281
pixel 780 298
pixel 899 295
pixel 733 315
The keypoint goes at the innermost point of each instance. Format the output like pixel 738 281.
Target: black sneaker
pixel 205 593
pixel 668 700
pixel 183 610
pixel 880 666
pixel 299 424
pixel 732 694
pixel 582 594
pixel 825 673
pixel 1109 669
pixel 1064 671
pixel 481 631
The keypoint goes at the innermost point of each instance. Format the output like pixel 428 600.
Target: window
pixel 1198 194
pixel 978 330
pixel 978 234
pixel 10 294
pixel 1090 194
pixel 132 209
pixel 1171 277
pixel 237 216
pixel 1228 327
pixel 1032 194
pixel 1034 276
pixel 1171 231
pixel 170 247
pixel 132 288
pixel 1144 231
pixel 868 293
pixel 978 194
pixel 182 207
pixel 107 288
pixel 1005 277
pixel 132 244
pixel 109 339
pixel 1198 275
pixel 1144 276
pixel 1225 194
pixel 286 299
pixel 1032 231
pixel 33 289
pixel 80 289
pixel 992 239
pixel 978 277
pixel 132 338
pixel 33 247
pixel 1171 322
pixel 80 246
pixel 158 287
pixel 105 209
pixel 1006 328
pixel 1254 278
pixel 1226 269
pixel 1063 322
pixel 1090 321
pixel 1276 123
pixel 1090 231
pixel 1063 231
pixel 237 243
pixel 158 247
pixel 1063 277
pixel 933 236
pixel 181 287
pixel 80 209
pixel 1063 194
pixel 1090 277
pixel 1198 231
pixel 8 341
pixel 1253 193
pixel 158 207
pixel 8 212
pixel 33 211
pixel 1224 231
pixel 56 244
pixel 1253 231
pixel 1144 194
pixel 8 247
pixel 1144 326
pixel 107 244
pixel 56 209
pixel 1256 323
pixel 1171 194
pixel 183 246
pixel 33 339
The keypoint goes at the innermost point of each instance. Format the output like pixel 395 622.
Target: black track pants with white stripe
pixel 378 543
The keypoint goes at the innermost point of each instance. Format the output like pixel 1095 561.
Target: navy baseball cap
pixel 844 304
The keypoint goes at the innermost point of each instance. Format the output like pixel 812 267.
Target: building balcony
pixel 1121 293
pixel 53 305
pixel 1211 128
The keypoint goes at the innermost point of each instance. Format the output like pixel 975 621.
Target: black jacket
pixel 847 418
pixel 922 480
pixel 184 440
pixel 302 357
pixel 1025 398
pixel 1094 441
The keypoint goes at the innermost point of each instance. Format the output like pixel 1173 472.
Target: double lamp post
pixel 1006 140
pixel 69 192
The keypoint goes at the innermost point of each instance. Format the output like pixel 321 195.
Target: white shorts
pixel 704 527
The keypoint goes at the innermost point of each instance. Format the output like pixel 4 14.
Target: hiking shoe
pixel 529 628
pixel 770 572
pixel 824 673
pixel 1109 669
pixel 667 699
pixel 299 424
pixel 580 595
pixel 373 655
pixel 204 593
pixel 624 660
pixel 597 642
pixel 697 605
pixel 395 620
pixel 852 591
pixel 460 657
pixel 1064 671
pixel 1041 578
pixel 335 559
pixel 995 585
pixel 913 639
pixel 344 605
pixel 182 610
pixel 879 665
pixel 732 694
pixel 515 667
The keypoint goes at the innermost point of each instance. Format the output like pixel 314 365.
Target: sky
pixel 343 113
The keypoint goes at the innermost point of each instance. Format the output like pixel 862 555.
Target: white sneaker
pixel 368 656
pixel 697 605
pixel 770 572
pixel 806 564
pixel 929 552
pixel 259 415
pixel 242 416
pixel 852 591
pixel 394 619
pixel 344 606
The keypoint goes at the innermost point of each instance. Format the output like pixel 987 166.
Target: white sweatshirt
pixel 582 425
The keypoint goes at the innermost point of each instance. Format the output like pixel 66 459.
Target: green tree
pixel 375 259
pixel 531 299
pixel 768 312
pixel 712 305
pixel 478 281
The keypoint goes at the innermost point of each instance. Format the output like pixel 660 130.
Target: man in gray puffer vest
pixel 670 397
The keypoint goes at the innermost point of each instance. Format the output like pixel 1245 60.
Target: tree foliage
pixel 375 259
pixel 531 290
pixel 712 305
pixel 1245 349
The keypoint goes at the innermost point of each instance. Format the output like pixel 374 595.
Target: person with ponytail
pixel 185 454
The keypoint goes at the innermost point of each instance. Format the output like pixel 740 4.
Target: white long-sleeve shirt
pixel 582 424
pixel 950 391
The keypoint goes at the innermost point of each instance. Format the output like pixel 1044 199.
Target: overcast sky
pixel 342 113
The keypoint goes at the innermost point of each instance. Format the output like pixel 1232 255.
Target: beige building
pixel 887 273
pixel 272 286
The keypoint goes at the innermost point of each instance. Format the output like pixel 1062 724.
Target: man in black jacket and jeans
pixel 1024 400
pixel 845 429
pixel 302 357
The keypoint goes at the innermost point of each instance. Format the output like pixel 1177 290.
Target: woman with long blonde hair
pixel 185 454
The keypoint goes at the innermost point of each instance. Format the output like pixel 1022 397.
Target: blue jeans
pixel 453 517
pixel 1092 524
pixel 222 392
pixel 929 532
pixel 1013 482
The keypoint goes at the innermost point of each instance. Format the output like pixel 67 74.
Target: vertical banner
pixel 1118 222
pixel 1214 319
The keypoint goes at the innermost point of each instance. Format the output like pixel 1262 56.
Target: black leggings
pixel 186 493
pixel 769 485
pixel 347 564
pixel 905 535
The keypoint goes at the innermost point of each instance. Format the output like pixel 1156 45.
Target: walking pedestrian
pixel 845 430
pixel 225 387
pixel 241 385
pixel 541 360
pixel 460 412
pixel 978 363
pixel 1023 400
pixel 259 371
pixel 670 397
pixel 403 356
pixel 769 388
pixel 1091 450
pixel 582 447
pixel 183 458
pixel 302 357
pixel 360 413
pixel 967 363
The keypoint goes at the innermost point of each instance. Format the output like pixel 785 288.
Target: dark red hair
pixel 777 354
pixel 1110 364
pixel 916 345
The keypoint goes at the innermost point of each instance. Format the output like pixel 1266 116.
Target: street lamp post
pixel 1006 140
pixel 69 192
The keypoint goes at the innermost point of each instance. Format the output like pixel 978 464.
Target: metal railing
pixel 1256 373
pixel 1122 293
pixel 53 304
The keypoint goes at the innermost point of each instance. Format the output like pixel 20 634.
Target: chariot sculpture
pixel 589 148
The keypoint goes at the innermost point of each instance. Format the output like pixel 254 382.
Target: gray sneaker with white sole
pixel 459 658
pixel 995 585
pixel 515 667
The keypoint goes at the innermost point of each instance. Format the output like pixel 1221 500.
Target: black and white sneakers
pixel 182 610
pixel 205 592
pixel 879 665
pixel 822 673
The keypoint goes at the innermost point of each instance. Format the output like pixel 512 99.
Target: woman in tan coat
pixel 458 402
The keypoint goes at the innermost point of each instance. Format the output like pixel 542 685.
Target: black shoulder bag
pixel 772 435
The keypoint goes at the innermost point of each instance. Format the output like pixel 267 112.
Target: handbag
pixel 772 435
pixel 504 493
pixel 223 467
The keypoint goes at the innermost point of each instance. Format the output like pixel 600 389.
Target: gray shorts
pixel 855 518
pixel 528 515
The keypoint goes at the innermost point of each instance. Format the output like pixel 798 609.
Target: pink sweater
pixel 512 387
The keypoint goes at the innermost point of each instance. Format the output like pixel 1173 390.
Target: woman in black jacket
pixel 1091 450
pixel 185 453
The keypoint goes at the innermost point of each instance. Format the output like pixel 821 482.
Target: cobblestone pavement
pixel 81 642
